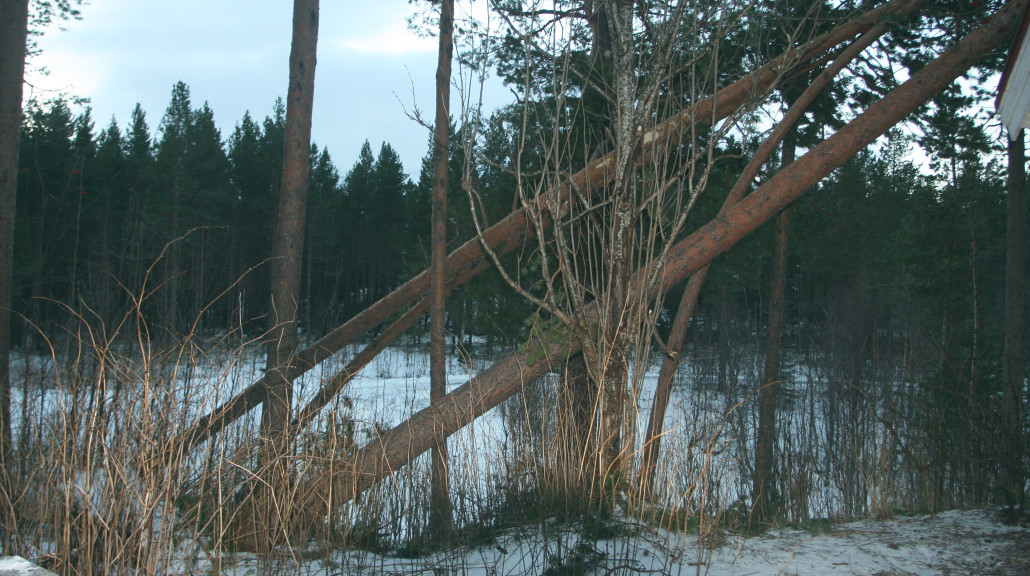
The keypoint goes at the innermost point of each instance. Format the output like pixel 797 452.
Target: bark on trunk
pixel 578 451
pixel 414 436
pixel 1013 364
pixel 439 499
pixel 286 273
pixel 13 29
pixel 289 239
pixel 763 482
pixel 511 232
pixel 763 487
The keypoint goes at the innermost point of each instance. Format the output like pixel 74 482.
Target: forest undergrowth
pixel 99 484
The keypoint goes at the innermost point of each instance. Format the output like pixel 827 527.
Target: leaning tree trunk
pixel 286 274
pixel 439 498
pixel 398 446
pixel 510 233
pixel 663 388
pixel 656 422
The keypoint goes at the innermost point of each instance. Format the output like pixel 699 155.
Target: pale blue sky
pixel 234 54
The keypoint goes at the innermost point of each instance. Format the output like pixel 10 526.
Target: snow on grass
pixel 396 384
pixel 968 542
pixel 960 542
pixel 18 566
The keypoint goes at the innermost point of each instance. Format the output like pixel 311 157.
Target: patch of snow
pixel 11 563
pixel 18 566
pixel 954 542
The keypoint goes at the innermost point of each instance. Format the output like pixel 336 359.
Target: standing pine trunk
pixel 1013 368
pixel 286 274
pixel 14 17
pixel 440 501
pixel 764 503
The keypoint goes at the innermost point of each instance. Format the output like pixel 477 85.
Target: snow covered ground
pixel 970 542
pixel 967 542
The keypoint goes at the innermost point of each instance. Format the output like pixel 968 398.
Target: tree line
pixel 179 222
pixel 895 270
pixel 182 220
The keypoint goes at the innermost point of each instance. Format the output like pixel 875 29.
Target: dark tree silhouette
pixel 14 21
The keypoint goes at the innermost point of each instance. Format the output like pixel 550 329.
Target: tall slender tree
pixel 14 22
pixel 171 182
pixel 139 158
pixel 1013 368
pixel 112 207
pixel 359 198
pixel 287 258
pixel 440 500
pixel 324 257
pixel 385 216
pixel 251 221
pixel 764 499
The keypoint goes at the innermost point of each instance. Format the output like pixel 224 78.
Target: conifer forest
pixel 718 267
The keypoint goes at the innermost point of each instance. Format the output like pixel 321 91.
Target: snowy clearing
pixel 967 542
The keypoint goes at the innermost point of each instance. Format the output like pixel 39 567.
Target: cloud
pixel 395 40
pixel 125 52
pixel 67 72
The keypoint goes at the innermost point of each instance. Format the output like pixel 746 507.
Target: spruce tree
pixel 386 218
pixel 359 234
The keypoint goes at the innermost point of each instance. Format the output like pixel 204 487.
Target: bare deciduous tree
pixel 589 245
pixel 652 442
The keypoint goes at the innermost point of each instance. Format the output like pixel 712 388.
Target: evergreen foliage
pixel 100 214
pixel 184 218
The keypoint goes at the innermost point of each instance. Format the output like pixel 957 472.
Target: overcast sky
pixel 234 54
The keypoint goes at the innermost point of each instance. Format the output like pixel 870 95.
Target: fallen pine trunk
pixel 656 421
pixel 402 444
pixel 470 259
